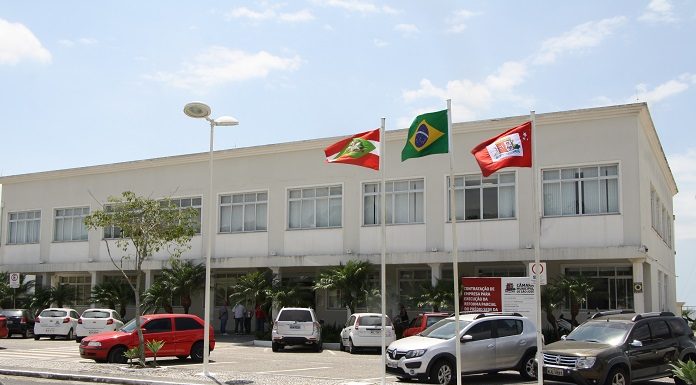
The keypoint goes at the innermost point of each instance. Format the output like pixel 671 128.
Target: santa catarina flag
pixel 512 148
pixel 360 149
pixel 426 136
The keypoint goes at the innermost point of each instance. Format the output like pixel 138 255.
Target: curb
pixel 88 378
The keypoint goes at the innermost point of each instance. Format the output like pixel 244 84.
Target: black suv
pixel 617 347
pixel 19 321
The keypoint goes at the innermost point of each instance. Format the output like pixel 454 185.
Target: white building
pixel 606 193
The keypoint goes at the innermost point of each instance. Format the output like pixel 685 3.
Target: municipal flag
pixel 426 136
pixel 360 150
pixel 512 148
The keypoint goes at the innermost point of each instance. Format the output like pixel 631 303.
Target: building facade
pixel 604 187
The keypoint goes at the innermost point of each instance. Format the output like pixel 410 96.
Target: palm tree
pixel 287 295
pixel 184 278
pixel 252 286
pixel 551 300
pixel 157 296
pixel 40 300
pixel 577 289
pixel 62 295
pixel 350 279
pixel 113 292
pixel 438 297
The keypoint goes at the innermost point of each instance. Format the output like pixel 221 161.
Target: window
pixel 641 333
pixel 159 325
pixel 243 212
pixel 581 190
pixel 508 327
pixel 81 286
pixel 24 227
pixel 186 324
pixel 660 218
pixel 315 207
pixel 335 300
pixel 613 286
pixel 660 330
pixel 184 203
pixel 223 286
pixel 111 231
pixel 478 197
pixel 481 331
pixel 70 225
pixel 411 283
pixel 404 202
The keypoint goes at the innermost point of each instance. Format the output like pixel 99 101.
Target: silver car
pixel 296 326
pixel 490 342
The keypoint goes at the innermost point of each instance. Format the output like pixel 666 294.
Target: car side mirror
pixel 563 337
pixel 636 344
pixel 466 338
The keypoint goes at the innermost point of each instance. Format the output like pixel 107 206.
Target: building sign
pixel 14 280
pixel 491 294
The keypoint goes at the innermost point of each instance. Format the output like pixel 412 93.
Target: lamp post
pixel 201 110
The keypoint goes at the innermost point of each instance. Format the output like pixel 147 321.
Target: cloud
pixel 682 165
pixel 82 41
pixel 219 65
pixel 663 91
pixel 406 29
pixel 456 23
pixel 270 13
pixel 583 36
pixel 658 11
pixel 18 43
pixel 380 43
pixel 364 7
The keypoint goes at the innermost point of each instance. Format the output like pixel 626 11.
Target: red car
pixel 423 321
pixel 182 335
pixel 4 331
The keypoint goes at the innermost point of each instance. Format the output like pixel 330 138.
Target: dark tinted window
pixel 295 315
pixel 95 314
pixel 660 330
pixel 187 324
pixel 641 333
pixel 679 327
pixel 53 313
pixel 509 327
pixel 159 325
pixel 11 313
pixel 481 331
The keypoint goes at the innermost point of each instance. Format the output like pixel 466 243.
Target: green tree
pixel 147 226
pixel 183 279
pixel 62 295
pixel 10 297
pixel 577 289
pixel 41 299
pixel 112 293
pixel 439 297
pixel 252 287
pixel 286 295
pixel 350 279
pixel 551 300
pixel 157 296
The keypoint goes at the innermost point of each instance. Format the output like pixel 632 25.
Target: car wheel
pixel 528 367
pixel 276 346
pixel 36 337
pixel 78 339
pixel 197 352
pixel 25 334
pixel 442 373
pixel 350 348
pixel 116 355
pixel 318 347
pixel 341 347
pixel 52 337
pixel 69 336
pixel 617 376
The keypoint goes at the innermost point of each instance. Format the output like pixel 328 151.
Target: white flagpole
pixel 383 227
pixel 537 252
pixel 455 246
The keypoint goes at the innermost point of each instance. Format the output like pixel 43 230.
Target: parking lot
pixel 259 364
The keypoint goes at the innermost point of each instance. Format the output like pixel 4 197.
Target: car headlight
pixel 94 343
pixel 415 353
pixel 585 362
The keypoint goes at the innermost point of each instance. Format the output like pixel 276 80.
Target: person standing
pixel 260 318
pixel 238 310
pixel 223 318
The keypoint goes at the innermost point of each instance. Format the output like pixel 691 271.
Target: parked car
pixel 4 331
pixel 422 322
pixel 620 347
pixel 296 326
pixel 54 322
pixel 364 330
pixel 19 321
pixel 93 321
pixel 490 342
pixel 182 335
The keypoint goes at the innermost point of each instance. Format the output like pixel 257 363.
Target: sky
pixel 85 83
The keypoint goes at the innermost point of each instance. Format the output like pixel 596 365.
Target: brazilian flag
pixel 426 136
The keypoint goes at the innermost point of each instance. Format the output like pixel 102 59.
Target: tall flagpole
pixel 383 227
pixel 537 252
pixel 455 246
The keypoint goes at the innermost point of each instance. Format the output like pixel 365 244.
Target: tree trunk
pixel 141 339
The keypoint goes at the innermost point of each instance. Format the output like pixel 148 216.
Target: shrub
pixel 686 371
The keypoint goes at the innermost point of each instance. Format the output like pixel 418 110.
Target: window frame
pixel 83 290
pixel 32 225
pixel 583 270
pixel 312 199
pixel 70 218
pixel 244 204
pixel 415 205
pixel 579 188
pixel 484 183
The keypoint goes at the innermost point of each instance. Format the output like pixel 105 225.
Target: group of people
pixel 242 318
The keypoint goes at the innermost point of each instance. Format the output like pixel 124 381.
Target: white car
pixel 54 322
pixel 364 330
pixel 296 326
pixel 95 321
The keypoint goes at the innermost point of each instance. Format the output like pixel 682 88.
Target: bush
pixel 686 371
pixel 331 333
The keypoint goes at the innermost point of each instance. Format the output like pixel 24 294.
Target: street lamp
pixel 202 110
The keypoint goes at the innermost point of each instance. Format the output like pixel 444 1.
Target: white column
pixel 638 298
pixel 95 277
pixel 277 275
pixel 435 273
pixel 148 279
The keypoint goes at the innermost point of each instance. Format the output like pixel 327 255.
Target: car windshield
pixel 443 329
pixel 295 315
pixel 11 313
pixel 373 320
pixel 130 325
pixel 53 313
pixel 95 314
pixel 603 332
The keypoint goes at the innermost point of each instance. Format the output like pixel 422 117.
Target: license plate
pixel 392 364
pixel 50 330
pixel 294 326
pixel 554 371
pixel 93 331
pixel 374 331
